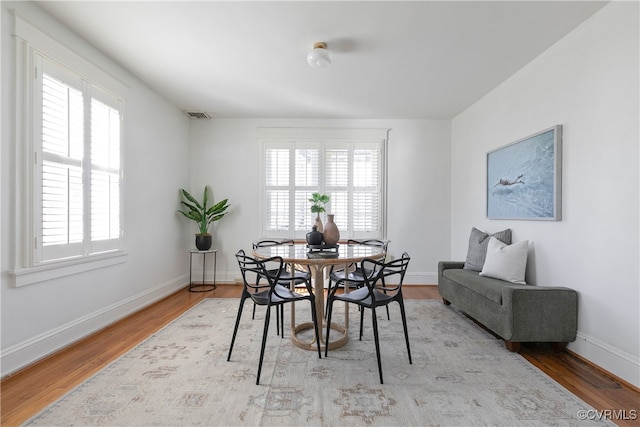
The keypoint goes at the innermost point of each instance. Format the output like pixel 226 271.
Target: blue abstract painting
pixel 523 178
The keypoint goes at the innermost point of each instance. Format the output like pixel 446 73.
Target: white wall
pixel 226 155
pixel 587 82
pixel 41 317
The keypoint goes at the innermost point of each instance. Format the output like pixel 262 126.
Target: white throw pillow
pixel 506 262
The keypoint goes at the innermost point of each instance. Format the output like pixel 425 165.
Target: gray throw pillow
pixel 478 242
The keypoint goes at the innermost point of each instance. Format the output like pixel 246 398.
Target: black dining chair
pixel 355 276
pixel 268 294
pixel 292 273
pixel 373 294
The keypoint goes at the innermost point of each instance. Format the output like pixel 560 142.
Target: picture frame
pixel 524 178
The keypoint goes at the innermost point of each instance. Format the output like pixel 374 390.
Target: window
pixel 69 121
pixel 77 166
pixel 348 169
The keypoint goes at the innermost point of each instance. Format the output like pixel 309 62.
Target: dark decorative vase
pixel 331 232
pixel 314 237
pixel 203 242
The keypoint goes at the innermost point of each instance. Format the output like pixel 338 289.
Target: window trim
pixel 342 135
pixel 56 269
pixel 30 42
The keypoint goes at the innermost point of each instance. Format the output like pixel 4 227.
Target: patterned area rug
pixel 461 375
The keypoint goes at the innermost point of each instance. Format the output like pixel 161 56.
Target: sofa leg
pixel 512 346
pixel 446 302
pixel 558 347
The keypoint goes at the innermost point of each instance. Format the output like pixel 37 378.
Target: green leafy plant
pixel 199 212
pixel 318 200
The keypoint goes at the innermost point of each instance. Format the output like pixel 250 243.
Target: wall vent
pixel 197 114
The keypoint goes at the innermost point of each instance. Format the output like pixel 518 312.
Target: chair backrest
pixel 288 242
pixel 384 244
pixel 252 268
pixel 369 242
pixel 270 242
pixel 391 273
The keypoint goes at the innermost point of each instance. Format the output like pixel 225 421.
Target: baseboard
pixel 223 277
pixel 612 360
pixel 34 349
pixel 420 278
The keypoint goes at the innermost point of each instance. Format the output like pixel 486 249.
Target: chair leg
pixel 385 292
pixel 326 309
pixel 235 329
pixel 329 312
pixel 404 325
pixel 281 308
pixel 314 317
pixel 376 339
pixel 361 320
pixel 267 315
pixel 253 316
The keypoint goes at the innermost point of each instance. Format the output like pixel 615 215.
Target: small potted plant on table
pixel 318 200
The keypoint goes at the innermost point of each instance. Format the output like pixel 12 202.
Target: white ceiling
pixel 416 59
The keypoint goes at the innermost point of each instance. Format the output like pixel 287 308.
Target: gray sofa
pixel 517 313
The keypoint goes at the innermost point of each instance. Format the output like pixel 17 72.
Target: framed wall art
pixel 524 178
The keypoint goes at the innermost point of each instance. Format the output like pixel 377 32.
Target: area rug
pixel 461 376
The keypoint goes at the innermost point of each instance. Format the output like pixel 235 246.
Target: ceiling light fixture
pixel 319 57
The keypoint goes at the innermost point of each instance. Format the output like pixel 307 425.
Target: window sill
pixel 42 273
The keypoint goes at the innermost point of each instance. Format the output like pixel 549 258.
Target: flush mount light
pixel 319 57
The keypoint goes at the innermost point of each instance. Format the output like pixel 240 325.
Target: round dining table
pixel 318 258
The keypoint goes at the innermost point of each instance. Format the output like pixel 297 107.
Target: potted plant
pixel 318 200
pixel 202 215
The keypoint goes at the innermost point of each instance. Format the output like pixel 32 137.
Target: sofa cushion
pixel 506 262
pixel 486 286
pixel 478 241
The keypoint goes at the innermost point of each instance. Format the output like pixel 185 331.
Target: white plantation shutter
pixel 307 164
pixel 61 204
pixel 338 167
pixel 105 175
pixel 78 165
pixel 349 171
pixel 366 190
pixel 277 161
pixel 62 132
pixel 353 181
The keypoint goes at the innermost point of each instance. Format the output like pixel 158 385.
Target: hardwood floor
pixel 28 391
